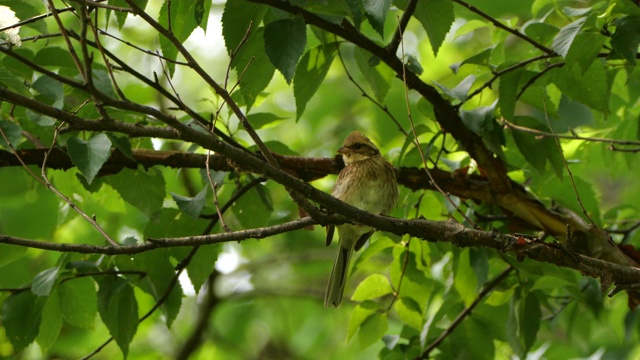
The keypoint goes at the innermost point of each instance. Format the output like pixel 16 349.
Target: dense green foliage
pixel 129 126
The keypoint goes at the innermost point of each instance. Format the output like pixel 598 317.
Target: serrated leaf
pixel 44 281
pixel 373 329
pixel 78 301
pixel 254 208
pixel 509 88
pixel 284 42
pixel 409 312
pixel 160 273
pixel 530 320
pixel 89 156
pixel 255 67
pixel 585 49
pixel 262 120
pixel 121 143
pixel 12 82
pixel 626 39
pixel 564 39
pixel 374 286
pixel 186 16
pixel 461 90
pixel 54 56
pixel 142 189
pixel 436 17
pixel 377 74
pixel 237 17
pixel 202 264
pixel 21 314
pixel 359 315
pixel 118 309
pixel 192 205
pixel 590 88
pixel 310 73
pixel 376 12
pixel 572 115
pixel 173 223
pixel 50 322
pixel 465 280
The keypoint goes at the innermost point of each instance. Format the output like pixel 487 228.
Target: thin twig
pixel 214 190
pixel 65 36
pixel 566 165
pixel 575 136
pixel 500 25
pixel 384 108
pixel 466 312
pixel 45 181
pixel 417 143
pixel 497 74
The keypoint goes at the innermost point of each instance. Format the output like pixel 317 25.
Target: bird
pixel 367 182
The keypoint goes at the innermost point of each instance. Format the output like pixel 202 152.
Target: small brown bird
pixel 367 182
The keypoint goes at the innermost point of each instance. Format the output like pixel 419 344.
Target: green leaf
pixel 508 90
pixel 372 287
pixel 54 56
pixel 530 320
pixel 264 120
pixel 12 131
pixel 311 71
pixel 253 209
pixel 78 301
pixel 49 91
pixel 238 15
pixel 44 281
pixel 185 17
pixel 436 17
pixel 481 58
pixel 51 322
pixel 465 280
pixel 376 12
pixel 253 64
pixel 172 223
pixel 626 39
pixel 192 205
pixel 12 82
pixel 572 115
pixel 11 253
pixel 591 88
pixel 481 120
pixel 409 312
pixel 585 48
pixel 118 309
pixel 202 264
pixel 142 189
pixel 121 143
pixel 121 15
pixel 373 329
pixel 564 39
pixel 377 74
pixel 21 314
pixel 160 273
pixel 359 315
pixel 284 42
pixel 89 156
pixel 461 90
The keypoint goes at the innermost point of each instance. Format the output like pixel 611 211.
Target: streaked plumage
pixel 367 182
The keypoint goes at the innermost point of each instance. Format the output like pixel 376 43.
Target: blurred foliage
pixel 302 89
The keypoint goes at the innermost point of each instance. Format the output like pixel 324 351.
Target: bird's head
pixel 357 147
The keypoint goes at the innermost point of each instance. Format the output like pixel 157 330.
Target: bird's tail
pixel 335 289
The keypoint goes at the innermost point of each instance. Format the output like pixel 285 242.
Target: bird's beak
pixel 343 150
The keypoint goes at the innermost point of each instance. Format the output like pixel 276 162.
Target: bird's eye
pixel 358 146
